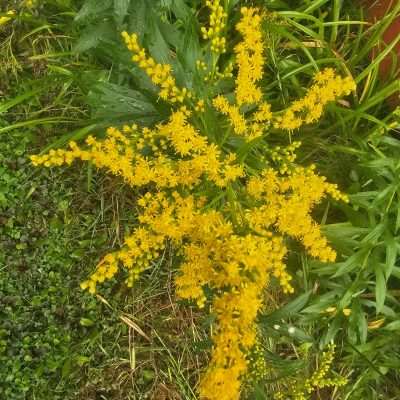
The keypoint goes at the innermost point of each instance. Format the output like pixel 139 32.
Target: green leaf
pixel 190 51
pixel 258 393
pixel 391 255
pixel 91 9
pixel 276 4
pixel 358 323
pixel 137 17
pixel 321 303
pixel 354 261
pixel 86 322
pixel 380 289
pixel 375 234
pixel 288 310
pixel 6 105
pixel 121 10
pixel 155 41
pixel 397 226
pixel 343 229
pixel 92 37
pixel 66 368
pixel 392 326
pixel 332 331
pixel 64 139
pixel 181 10
pixel 118 103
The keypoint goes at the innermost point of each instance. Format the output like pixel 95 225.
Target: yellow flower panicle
pixel 120 154
pixel 7 17
pixel 286 206
pixel 231 243
pixel 249 57
pixel 285 157
pixel 160 74
pixel 258 367
pixel 327 87
pixel 258 123
pixel 31 3
pixel 263 113
pixel 215 32
pixel 236 312
pixel 237 119
pixel 300 389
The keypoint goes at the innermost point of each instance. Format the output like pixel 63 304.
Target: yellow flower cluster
pixel 160 74
pixel 236 118
pixel 327 87
pixel 214 33
pixel 301 389
pixel 218 74
pixel 285 157
pixel 7 17
pixel 286 206
pixel 31 3
pixel 227 220
pixel 120 154
pixel 258 123
pixel 246 265
pixel 249 57
pixel 258 368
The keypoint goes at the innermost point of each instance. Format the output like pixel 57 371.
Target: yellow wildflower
pixel 237 119
pixel 214 33
pixel 230 242
pixel 249 57
pixel 301 389
pixel 31 3
pixel 327 87
pixel 160 74
pixel 7 17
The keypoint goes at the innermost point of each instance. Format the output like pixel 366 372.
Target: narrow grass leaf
pixel 288 310
pixel 380 289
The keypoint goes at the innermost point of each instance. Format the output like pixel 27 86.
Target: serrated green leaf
pixel 118 103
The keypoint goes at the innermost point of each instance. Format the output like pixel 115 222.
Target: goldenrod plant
pixel 225 198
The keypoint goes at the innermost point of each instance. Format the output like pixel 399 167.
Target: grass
pixel 57 342
pixel 61 79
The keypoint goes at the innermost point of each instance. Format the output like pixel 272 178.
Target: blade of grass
pixel 35 122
